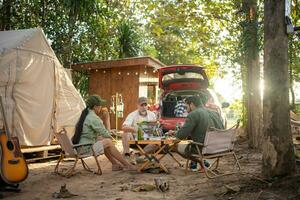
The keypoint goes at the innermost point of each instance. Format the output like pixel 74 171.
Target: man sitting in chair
pixel 198 121
pixel 130 126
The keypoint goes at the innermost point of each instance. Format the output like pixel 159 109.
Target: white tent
pixel 38 95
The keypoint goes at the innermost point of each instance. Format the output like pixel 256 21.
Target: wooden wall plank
pixel 123 80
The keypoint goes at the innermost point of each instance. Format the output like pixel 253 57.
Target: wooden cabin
pixel 130 77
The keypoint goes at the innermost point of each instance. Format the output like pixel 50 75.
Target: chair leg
pixel 85 166
pixel 211 174
pixel 62 156
pixel 207 171
pixel 237 161
pixel 186 166
pixel 215 164
pixel 71 170
pixel 99 171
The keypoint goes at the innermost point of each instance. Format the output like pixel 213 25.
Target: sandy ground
pixel 42 182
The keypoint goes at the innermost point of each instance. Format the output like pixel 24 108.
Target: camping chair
pixel 217 144
pixel 70 151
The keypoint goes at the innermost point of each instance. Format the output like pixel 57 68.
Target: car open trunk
pixel 178 82
pixel 182 77
pixel 168 118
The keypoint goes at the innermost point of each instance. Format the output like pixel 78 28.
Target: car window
pixel 186 75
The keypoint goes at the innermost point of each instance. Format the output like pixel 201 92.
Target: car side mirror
pixel 225 105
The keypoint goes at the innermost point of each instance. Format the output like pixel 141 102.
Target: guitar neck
pixel 4 119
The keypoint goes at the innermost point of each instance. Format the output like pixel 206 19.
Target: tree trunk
pixel 244 78
pixel 278 152
pixel 43 2
pixel 254 109
pixel 6 17
pixel 291 59
pixel 67 59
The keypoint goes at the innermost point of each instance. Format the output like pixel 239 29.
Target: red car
pixel 179 82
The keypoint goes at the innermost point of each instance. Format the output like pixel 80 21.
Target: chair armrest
pixel 220 130
pixel 215 129
pixel 198 146
pixel 82 145
pixel 197 143
pixel 176 141
pixel 294 122
pixel 236 126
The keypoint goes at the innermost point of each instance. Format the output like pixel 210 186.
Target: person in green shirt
pixel 198 121
pixel 90 129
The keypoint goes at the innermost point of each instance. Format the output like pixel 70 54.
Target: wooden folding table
pixel 165 147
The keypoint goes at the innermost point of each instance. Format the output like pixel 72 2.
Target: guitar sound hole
pixel 10 145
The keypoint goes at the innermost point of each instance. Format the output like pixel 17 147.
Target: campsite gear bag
pixel 13 165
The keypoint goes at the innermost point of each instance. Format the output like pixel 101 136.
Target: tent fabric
pixel 38 95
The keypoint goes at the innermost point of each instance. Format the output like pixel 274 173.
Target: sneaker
pixel 193 166
pixel 206 164
pixel 140 159
pixel 127 155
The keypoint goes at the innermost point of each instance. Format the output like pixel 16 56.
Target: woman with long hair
pixel 90 129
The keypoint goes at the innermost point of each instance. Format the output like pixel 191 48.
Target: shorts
pixel 181 149
pixel 97 146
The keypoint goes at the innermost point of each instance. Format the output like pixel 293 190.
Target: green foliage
pixel 128 40
pixel 297 109
pixel 294 44
pixel 234 112
pixel 205 32
pixel 80 81
pixel 78 30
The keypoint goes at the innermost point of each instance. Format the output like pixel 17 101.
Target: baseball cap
pixel 95 100
pixel 142 100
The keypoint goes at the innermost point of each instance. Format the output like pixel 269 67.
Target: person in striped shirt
pixel 180 108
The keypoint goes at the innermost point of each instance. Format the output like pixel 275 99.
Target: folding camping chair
pixel 70 151
pixel 217 144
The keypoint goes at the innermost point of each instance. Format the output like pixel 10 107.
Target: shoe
pixel 193 166
pixel 140 159
pixel 127 157
pixel 206 163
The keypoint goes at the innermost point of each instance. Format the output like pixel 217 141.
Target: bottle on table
pixel 140 133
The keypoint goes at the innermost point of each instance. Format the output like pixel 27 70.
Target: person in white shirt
pixel 130 126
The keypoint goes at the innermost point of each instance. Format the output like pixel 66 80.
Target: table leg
pixel 168 151
pixel 158 160
pixel 145 154
pixel 154 157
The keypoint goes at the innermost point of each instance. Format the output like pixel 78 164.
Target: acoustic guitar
pixel 13 166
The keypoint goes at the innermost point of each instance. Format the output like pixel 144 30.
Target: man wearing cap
pixel 130 124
